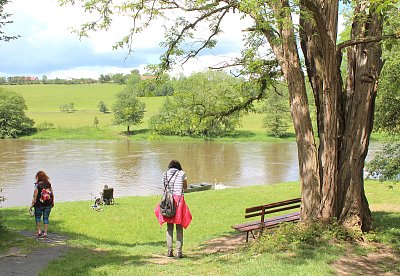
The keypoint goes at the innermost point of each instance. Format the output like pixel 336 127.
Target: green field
pixel 126 239
pixel 44 103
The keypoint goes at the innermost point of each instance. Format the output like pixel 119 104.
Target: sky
pixel 48 46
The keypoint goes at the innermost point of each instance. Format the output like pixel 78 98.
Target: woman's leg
pixel 46 214
pixel 179 240
pixel 38 219
pixel 170 238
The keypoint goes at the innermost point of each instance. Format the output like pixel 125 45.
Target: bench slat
pixel 272 205
pixel 267 222
pixel 262 210
pixel 272 211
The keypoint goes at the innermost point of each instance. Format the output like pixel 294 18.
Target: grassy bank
pixel 44 103
pixel 126 239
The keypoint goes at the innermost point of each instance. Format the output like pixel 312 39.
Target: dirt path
pixel 374 263
pixel 15 262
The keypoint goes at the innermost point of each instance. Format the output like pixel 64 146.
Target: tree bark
pixel 364 66
pixel 289 61
pixel 318 41
pixel 344 117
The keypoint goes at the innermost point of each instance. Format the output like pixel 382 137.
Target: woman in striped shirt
pixel 175 180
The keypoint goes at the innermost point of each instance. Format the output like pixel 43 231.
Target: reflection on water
pixel 79 169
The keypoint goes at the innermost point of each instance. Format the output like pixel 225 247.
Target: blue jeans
pixel 42 211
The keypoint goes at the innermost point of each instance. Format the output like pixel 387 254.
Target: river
pixel 79 169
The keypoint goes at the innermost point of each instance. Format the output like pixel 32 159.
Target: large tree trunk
pixel 364 67
pixel 289 61
pixel 344 116
pixel 318 41
pixel 332 177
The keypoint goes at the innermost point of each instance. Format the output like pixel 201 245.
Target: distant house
pixel 31 78
pixel 147 77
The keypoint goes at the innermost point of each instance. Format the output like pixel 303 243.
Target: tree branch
pixel 353 42
pixel 192 25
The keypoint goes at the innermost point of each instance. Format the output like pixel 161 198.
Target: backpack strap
pixel 166 183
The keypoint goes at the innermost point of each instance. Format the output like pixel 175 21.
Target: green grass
pixel 43 103
pixel 126 239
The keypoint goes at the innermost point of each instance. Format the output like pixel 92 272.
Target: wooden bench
pixel 263 223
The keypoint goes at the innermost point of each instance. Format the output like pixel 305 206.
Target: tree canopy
pixel 331 171
pixel 13 121
pixel 128 109
pixel 197 105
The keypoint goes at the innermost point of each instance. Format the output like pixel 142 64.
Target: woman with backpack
pixel 43 201
pixel 174 180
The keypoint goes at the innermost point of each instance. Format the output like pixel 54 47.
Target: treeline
pixel 118 78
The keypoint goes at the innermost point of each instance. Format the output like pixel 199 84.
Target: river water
pixel 79 169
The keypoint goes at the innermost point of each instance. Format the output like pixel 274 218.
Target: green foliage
pixel 128 109
pixel 200 106
pixel 386 164
pixel 45 126
pixel 13 121
pixel 119 78
pixel 102 107
pixel 277 113
pixel 291 236
pixel 150 86
pixel 388 99
pixel 70 107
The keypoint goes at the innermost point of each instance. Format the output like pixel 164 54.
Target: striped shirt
pixel 176 179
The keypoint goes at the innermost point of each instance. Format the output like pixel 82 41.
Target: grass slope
pixel 126 239
pixel 43 103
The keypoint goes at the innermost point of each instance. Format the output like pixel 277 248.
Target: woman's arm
pixel 35 193
pixel 184 185
pixel 52 196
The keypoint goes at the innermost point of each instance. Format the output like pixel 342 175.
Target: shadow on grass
pixel 18 219
pixel 87 254
pixel 285 135
pixel 135 132
pixel 88 261
pixel 241 134
pixel 387 224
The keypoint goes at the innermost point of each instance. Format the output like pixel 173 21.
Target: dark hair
pixel 43 178
pixel 175 164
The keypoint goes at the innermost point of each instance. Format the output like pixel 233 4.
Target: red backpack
pixel 45 197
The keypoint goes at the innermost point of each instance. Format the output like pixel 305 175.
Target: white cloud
pixel 88 72
pixel 47 46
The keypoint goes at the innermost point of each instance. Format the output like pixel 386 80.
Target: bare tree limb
pixel 353 42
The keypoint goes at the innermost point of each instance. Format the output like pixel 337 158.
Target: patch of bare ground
pixel 383 261
pixel 222 244
pixel 22 262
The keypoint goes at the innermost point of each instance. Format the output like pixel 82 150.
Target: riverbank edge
pixel 90 133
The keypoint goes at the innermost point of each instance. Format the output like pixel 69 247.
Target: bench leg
pixel 247 235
